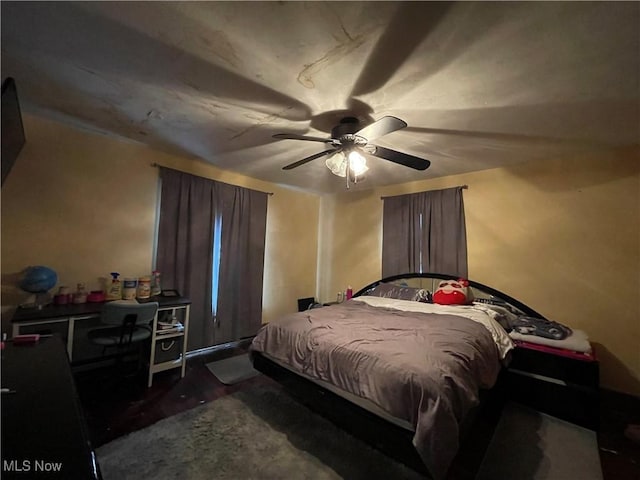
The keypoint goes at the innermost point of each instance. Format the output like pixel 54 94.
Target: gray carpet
pixel 233 369
pixel 263 434
pixel 257 434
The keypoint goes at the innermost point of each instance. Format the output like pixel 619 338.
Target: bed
pixel 409 375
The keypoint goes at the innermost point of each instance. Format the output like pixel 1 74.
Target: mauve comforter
pixel 424 368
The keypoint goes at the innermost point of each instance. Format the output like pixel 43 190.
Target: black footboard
pixel 394 441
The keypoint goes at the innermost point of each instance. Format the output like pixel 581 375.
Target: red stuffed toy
pixel 453 292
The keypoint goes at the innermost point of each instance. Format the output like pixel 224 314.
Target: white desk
pixel 67 319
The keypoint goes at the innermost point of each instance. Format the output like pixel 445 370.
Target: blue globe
pixel 38 279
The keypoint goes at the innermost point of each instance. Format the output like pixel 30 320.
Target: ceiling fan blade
pixel 410 25
pixel 400 158
pixel 293 136
pixel 312 157
pixel 381 127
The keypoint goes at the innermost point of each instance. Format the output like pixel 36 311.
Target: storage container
pixel 168 350
pixel 129 288
pixel 144 287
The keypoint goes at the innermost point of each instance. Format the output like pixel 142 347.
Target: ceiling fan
pixel 349 141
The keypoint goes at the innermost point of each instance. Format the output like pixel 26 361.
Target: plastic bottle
pixel 156 288
pixel 349 292
pixel 81 294
pixel 114 287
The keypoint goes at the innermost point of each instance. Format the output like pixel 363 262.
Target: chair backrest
pixel 114 313
pixel 305 303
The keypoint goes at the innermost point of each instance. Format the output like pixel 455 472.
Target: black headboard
pixel 430 281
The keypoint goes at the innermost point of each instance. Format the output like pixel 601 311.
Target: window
pixel 215 271
pixel 424 233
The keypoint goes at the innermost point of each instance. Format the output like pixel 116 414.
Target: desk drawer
pixel 59 327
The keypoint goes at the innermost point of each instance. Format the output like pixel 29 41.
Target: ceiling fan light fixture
pixel 338 164
pixel 357 163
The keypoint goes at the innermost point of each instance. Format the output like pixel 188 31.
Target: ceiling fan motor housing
pixel 347 125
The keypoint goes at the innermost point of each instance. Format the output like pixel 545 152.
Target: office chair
pixel 130 322
pixel 305 303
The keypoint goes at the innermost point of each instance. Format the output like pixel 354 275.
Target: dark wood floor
pixel 115 405
pixel 619 456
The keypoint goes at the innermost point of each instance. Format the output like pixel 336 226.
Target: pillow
pixel 490 302
pixel 390 290
pixel 500 313
pixel 453 292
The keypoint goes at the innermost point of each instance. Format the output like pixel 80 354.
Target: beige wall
pixel 561 235
pixel 85 205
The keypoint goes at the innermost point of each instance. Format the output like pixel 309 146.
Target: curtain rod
pixel 464 187
pixel 189 173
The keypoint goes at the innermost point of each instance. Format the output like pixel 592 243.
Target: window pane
pixel 217 244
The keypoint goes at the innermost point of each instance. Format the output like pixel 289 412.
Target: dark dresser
pixel 44 434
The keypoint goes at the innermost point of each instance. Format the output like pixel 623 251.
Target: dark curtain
pixel 244 216
pixel 191 209
pixel 424 232
pixel 188 208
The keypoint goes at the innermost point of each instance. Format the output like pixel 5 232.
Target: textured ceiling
pixel 480 85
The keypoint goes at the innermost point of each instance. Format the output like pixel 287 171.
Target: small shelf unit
pixel 177 336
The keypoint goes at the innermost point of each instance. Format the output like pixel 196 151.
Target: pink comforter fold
pixel 424 368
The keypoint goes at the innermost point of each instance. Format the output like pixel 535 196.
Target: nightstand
pixel 560 383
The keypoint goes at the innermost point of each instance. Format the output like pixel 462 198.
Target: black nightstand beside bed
pixel 561 383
